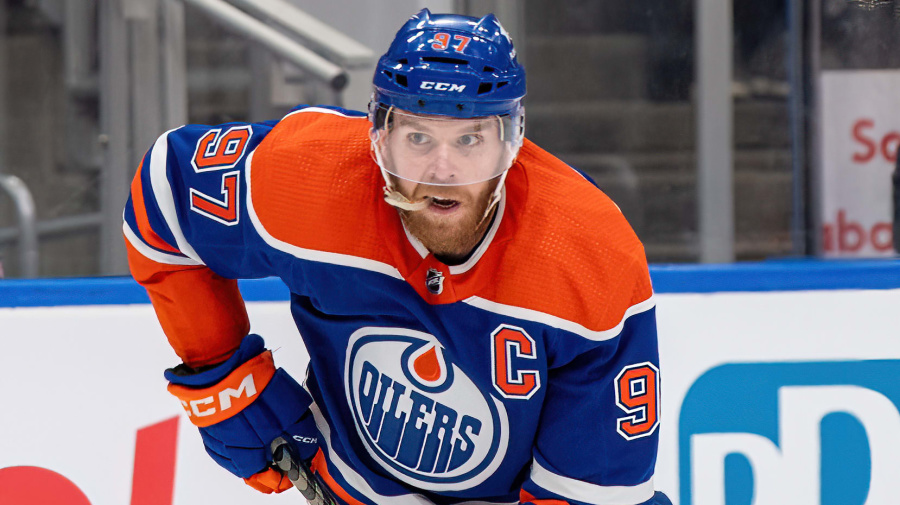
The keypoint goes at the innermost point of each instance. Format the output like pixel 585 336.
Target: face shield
pixel 445 151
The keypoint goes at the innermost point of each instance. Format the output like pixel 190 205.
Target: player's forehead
pixel 432 122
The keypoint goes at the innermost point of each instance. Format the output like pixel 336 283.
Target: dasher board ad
pixel 860 132
pixel 769 397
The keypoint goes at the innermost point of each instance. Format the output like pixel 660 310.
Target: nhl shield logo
pixel 419 416
pixel 434 281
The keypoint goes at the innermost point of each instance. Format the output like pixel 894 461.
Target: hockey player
pixel 478 315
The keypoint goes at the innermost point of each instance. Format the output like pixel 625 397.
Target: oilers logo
pixel 419 416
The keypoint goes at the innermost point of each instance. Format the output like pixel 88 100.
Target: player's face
pixel 443 151
pixel 451 164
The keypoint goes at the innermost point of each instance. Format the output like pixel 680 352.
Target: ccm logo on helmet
pixel 442 86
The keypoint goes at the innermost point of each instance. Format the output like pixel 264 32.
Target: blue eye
pixel 418 138
pixel 469 140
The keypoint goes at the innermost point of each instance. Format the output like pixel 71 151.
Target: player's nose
pixel 442 168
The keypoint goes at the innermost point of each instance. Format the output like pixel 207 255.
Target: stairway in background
pixel 233 79
pixel 218 72
pixel 594 100
pixel 590 69
pixel 44 121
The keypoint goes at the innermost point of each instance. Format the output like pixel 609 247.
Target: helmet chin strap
pixel 498 191
pixel 495 198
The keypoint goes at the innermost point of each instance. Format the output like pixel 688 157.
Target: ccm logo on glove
pixel 214 404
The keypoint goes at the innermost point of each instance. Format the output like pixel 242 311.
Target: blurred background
pixel 726 131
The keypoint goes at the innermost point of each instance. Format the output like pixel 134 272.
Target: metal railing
pixel 279 43
pixel 26 218
pixel 715 144
pixel 143 78
pixel 142 87
pixel 342 49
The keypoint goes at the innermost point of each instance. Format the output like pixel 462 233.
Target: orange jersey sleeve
pixel 202 314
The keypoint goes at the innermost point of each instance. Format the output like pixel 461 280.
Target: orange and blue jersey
pixel 529 373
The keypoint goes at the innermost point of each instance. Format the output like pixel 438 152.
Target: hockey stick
pixel 299 474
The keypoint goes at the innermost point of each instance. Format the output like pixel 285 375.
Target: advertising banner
pixel 768 396
pixel 860 133
pixel 780 398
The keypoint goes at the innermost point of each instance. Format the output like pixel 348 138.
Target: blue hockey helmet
pixel 449 65
pixel 447 80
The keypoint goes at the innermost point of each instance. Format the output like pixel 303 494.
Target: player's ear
pixel 374 134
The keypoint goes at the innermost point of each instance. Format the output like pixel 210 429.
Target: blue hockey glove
pixel 241 406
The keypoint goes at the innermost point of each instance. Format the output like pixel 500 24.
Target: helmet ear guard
pixel 378 114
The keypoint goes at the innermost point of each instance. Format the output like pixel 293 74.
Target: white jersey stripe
pixel 325 111
pixel 162 192
pixel 558 322
pixel 153 254
pixel 590 493
pixel 311 254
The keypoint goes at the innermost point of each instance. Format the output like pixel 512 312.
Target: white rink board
pixel 80 381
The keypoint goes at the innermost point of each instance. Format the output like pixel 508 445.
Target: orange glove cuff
pixel 216 403
pixel 269 481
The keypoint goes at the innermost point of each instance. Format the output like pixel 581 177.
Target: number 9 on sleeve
pixel 637 393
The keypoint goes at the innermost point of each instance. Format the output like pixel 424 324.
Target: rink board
pixel 779 381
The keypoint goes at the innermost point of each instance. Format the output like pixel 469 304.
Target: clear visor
pixel 444 151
